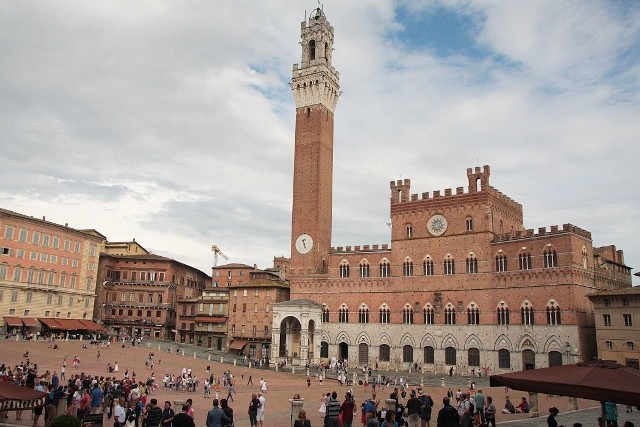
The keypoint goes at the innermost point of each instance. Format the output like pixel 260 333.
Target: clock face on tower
pixel 304 243
pixel 437 225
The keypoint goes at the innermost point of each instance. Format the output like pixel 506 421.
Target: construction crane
pixel 216 251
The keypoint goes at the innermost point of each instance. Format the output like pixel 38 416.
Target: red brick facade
pixel 463 284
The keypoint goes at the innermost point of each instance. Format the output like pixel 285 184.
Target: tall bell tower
pixel 316 90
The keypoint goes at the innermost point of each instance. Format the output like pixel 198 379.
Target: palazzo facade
pixel 463 284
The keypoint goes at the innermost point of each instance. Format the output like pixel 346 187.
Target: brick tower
pixel 315 89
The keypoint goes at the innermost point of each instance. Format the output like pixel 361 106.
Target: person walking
pixel 183 419
pixel 253 410
pixel 167 415
pixel 413 410
pixel 262 403
pixel 490 412
pixel 154 415
pixel 479 401
pixel 333 411
pixel 230 392
pixel 448 415
pixel 228 411
pixel 215 416
pixel 347 409
pixel 96 399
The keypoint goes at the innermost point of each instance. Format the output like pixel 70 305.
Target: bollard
pixel 221 359
pixel 158 346
pixel 194 354
pixel 293 370
pixel 276 368
pixel 421 381
pixel 249 364
pixel 234 362
pixel 183 351
pixel 296 406
pixel 209 358
pixel 442 382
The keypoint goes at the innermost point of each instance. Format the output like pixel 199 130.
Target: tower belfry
pixel 315 90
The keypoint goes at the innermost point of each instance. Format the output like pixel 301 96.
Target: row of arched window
pixel 524 260
pixel 451 316
pixel 450 355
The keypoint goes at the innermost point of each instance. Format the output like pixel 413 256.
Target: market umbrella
pixel 600 380
pixel 14 397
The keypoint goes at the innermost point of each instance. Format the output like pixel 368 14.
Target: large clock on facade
pixel 304 243
pixel 437 225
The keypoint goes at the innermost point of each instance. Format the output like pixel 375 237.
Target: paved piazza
pixel 280 385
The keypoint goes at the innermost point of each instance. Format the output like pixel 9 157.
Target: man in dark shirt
pixel 154 417
pixel 167 415
pixel 413 409
pixel 346 409
pixel 183 419
pixel 448 416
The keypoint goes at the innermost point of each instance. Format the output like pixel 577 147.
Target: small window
pixel 409 231
pixel 606 319
pixel 469 224
pixel 630 345
pixel 608 345
pixel 628 320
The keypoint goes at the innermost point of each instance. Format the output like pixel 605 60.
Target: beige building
pixel 47 271
pixel 203 320
pixel 617 314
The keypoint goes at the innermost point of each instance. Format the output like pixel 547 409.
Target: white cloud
pixel 173 123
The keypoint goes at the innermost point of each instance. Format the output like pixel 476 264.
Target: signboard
pixel 92 420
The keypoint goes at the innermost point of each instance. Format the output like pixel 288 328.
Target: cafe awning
pixel 90 325
pixel 12 321
pixel 70 324
pixel 237 344
pixel 51 323
pixel 30 322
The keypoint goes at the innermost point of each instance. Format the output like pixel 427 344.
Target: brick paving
pixel 280 385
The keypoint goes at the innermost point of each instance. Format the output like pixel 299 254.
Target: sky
pixel 173 122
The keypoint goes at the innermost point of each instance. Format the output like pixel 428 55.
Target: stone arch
pixel 324 336
pixel 343 337
pixel 428 340
pixel 449 340
pixel 473 341
pixel 502 341
pixel 384 339
pixel 553 344
pixel 407 339
pixel 363 337
pixel 527 342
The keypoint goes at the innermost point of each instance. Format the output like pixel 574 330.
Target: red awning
pixel 14 398
pixel 205 319
pixel 237 344
pixel 70 324
pixel 12 321
pixel 30 322
pixel 90 325
pixel 51 322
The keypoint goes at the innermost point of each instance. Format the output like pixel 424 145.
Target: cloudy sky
pixel 173 123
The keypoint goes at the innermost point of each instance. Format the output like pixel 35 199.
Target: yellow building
pixel 617 314
pixel 47 270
